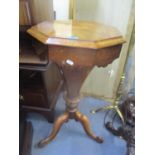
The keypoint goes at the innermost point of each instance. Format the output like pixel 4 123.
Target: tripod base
pixel 64 118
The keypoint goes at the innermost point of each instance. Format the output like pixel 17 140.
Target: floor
pixel 72 140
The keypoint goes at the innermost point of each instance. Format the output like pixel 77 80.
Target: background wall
pixel 34 11
pixel 41 10
pixel 61 7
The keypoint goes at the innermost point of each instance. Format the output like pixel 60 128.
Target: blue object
pixel 72 37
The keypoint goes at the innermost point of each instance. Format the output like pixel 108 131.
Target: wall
pixel 34 11
pixel 41 10
pixel 86 9
pixel 61 7
pixel 110 12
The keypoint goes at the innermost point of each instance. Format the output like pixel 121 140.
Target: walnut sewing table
pixel 76 47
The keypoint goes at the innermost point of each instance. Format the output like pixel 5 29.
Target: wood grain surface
pixel 76 34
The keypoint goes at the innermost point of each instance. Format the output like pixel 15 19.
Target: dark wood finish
pixel 28 133
pixel 64 118
pixel 39 89
pixel 40 81
pixel 25 135
pixel 77 47
pixel 57 125
pixel 84 57
pixel 85 122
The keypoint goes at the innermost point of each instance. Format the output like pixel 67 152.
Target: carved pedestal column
pixel 74 78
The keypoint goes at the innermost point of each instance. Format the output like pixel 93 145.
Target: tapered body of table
pixel 76 47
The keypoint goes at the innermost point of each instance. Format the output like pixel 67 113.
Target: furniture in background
pixel 25 135
pixel 39 89
pixel 77 46
pixel 40 80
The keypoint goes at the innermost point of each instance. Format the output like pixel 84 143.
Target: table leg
pixel 57 125
pixel 85 122
pixel 74 78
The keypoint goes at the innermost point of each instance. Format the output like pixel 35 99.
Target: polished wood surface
pixel 76 47
pixel 64 118
pixel 57 125
pixel 86 125
pixel 83 57
pixel 76 34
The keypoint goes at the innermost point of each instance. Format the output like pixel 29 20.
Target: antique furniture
pixel 40 80
pixel 25 135
pixel 77 46
pixel 39 89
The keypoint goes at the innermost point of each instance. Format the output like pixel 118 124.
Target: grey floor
pixel 72 140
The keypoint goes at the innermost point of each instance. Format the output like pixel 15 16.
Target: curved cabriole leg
pixel 57 125
pixel 85 122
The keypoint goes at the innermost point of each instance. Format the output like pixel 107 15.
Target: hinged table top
pixel 76 34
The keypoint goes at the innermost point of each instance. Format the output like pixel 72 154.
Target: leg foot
pixel 85 122
pixel 57 125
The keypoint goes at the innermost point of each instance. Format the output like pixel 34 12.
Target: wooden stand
pixel 76 47
pixel 74 80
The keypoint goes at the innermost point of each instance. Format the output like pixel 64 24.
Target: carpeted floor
pixel 72 140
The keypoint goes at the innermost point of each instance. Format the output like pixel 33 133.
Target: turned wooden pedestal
pixel 76 47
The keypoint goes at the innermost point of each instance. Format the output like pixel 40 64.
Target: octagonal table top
pixel 73 33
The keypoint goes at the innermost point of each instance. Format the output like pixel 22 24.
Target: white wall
pixel 61 7
pixel 114 12
pixel 86 9
pixel 111 12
